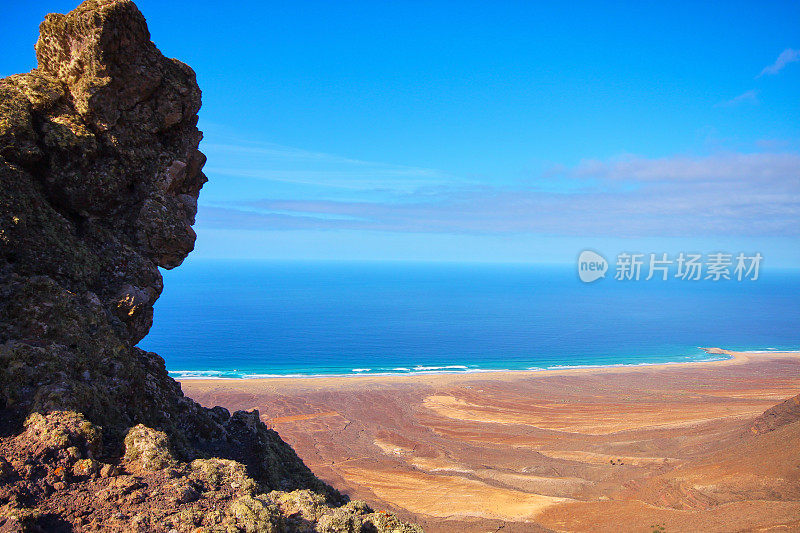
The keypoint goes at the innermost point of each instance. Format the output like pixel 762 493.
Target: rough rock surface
pixel 782 414
pixel 99 177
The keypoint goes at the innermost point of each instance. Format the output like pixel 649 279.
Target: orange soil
pixel 611 449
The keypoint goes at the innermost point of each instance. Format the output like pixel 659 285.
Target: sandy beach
pixel 601 449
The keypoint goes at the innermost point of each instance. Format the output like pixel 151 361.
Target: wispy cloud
pixel 725 194
pixel 788 56
pixel 286 164
pixel 747 97
pixel 763 168
pixel 277 151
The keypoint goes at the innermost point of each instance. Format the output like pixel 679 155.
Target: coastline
pixel 602 448
pixel 725 357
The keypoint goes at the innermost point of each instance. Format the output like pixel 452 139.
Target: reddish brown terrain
pixel 692 447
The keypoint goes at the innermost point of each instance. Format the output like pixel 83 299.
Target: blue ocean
pixel 256 319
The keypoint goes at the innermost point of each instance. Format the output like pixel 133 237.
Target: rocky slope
pixel 781 415
pixel 99 177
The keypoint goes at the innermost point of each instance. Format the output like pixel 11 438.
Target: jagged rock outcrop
pixel 99 178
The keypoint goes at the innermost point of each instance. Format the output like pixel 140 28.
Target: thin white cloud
pixel 286 164
pixel 787 56
pixel 391 179
pixel 747 97
pixel 723 167
pixel 281 152
pixel 725 194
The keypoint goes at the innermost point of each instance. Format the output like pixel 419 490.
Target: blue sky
pixel 485 131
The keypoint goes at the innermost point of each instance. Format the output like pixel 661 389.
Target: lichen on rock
pixel 255 515
pixel 149 447
pixel 100 174
pixel 217 474
pixel 62 432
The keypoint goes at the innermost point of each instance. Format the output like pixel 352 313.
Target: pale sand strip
pixel 589 419
pixel 449 496
pixel 348 382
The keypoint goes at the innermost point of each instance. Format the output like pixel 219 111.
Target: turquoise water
pixel 248 319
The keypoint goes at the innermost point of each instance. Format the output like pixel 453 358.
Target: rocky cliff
pixel 99 178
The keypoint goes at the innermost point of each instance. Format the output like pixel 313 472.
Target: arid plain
pixel 683 447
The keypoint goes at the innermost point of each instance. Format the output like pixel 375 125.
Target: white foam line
pixel 445 369
pixel 772 351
